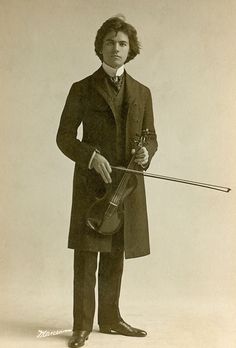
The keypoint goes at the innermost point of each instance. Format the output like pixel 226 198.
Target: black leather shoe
pixel 122 328
pixel 78 338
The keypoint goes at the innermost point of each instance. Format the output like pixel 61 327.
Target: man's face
pixel 115 48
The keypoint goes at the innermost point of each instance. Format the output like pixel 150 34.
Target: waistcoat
pixel 117 98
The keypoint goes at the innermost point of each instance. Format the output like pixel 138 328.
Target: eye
pixel 108 43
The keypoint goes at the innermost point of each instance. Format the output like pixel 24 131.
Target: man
pixel 114 109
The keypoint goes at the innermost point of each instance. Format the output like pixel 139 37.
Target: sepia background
pixel 183 294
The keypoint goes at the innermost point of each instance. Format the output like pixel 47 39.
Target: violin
pixel 105 215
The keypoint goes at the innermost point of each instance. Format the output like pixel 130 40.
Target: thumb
pixel 133 151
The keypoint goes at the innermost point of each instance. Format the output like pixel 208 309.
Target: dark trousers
pixel 109 282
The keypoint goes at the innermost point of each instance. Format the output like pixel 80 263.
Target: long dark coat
pixel 89 104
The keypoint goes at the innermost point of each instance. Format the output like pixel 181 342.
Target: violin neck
pixel 118 194
pixel 126 176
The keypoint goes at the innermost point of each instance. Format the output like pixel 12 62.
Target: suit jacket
pixel 88 103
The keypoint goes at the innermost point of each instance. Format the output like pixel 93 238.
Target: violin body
pixel 105 215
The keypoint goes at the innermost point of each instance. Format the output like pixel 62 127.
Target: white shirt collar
pixel 113 71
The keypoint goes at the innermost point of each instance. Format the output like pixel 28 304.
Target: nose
pixel 116 47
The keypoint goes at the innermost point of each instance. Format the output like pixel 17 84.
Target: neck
pixel 113 71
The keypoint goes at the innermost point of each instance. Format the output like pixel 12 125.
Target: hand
pixel 141 156
pixel 102 167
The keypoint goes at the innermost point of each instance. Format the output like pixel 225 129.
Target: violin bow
pixel 141 140
pixel 170 178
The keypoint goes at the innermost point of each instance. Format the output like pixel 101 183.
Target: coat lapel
pixel 131 90
pixel 132 100
pixel 99 83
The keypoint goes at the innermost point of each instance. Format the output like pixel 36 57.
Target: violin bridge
pixel 112 203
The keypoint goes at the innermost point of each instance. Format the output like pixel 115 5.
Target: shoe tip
pixel 142 333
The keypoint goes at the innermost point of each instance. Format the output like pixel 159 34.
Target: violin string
pixel 121 188
pixel 119 191
pixel 142 140
pixel 125 178
pixel 115 198
pixel 122 184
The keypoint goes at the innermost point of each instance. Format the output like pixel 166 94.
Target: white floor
pixel 169 325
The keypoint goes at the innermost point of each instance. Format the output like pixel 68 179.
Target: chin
pixel 117 65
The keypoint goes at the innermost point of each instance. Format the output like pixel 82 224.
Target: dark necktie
pixel 117 81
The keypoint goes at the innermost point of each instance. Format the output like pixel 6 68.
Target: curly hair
pixel 116 24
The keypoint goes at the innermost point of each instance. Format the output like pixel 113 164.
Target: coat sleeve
pixel 148 123
pixel 71 119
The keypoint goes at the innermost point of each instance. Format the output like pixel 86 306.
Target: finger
pixel 141 149
pixel 104 178
pixel 137 152
pixel 107 170
pixel 100 171
pixel 144 154
pixel 102 175
pixel 106 174
pixel 141 162
pixel 142 159
pixel 108 167
pixel 141 155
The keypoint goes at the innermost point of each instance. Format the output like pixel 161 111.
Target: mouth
pixel 115 56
